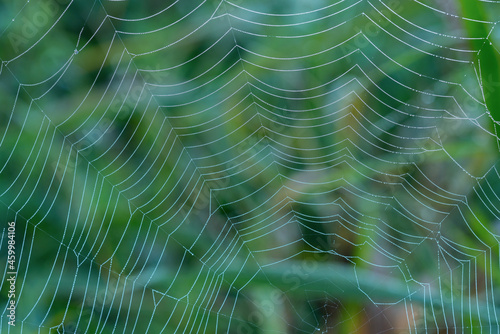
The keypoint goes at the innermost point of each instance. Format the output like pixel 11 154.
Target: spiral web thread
pixel 239 166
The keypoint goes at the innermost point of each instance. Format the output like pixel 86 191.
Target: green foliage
pixel 210 168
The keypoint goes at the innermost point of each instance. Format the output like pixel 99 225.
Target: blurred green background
pixel 251 166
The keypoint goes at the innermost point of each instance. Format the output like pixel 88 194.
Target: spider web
pixel 250 166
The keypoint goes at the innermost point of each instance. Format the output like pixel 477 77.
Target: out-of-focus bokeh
pixel 250 166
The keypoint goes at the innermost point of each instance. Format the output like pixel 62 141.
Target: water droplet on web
pixel 76 51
